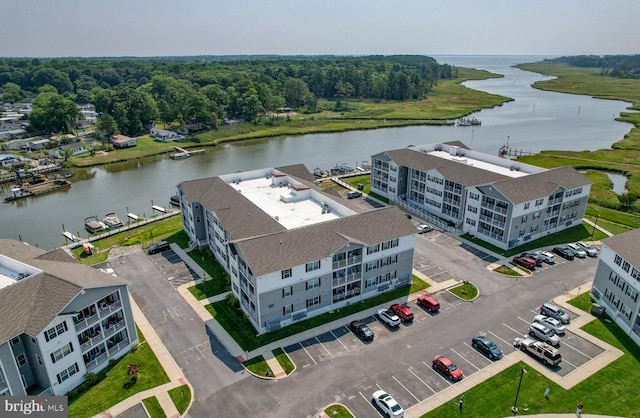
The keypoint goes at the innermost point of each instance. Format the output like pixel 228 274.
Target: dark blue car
pixel 486 347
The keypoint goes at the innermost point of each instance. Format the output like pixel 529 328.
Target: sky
pixel 81 28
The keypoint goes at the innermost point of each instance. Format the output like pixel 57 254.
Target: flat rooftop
pixel 483 165
pixel 293 206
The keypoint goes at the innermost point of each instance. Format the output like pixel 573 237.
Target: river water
pixel 534 121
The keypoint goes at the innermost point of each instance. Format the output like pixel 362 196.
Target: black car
pixel 534 257
pixel 361 330
pixel 486 347
pixel 564 252
pixel 158 247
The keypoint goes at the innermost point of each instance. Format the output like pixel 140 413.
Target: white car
pixel 591 252
pixel 388 317
pixel 546 256
pixel 109 271
pixel 424 228
pixel 577 250
pixel 550 323
pixel 387 404
pixel 543 333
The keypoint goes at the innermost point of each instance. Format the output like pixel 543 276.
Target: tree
pixel 251 106
pixel 294 92
pixel 68 152
pixel 12 93
pixel 107 126
pixel 627 199
pixel 54 113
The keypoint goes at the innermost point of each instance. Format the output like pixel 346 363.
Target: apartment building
pixel 616 283
pixel 503 202
pixel 59 320
pixel 293 250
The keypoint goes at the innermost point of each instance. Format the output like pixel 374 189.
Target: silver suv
pixel 543 333
pixel 549 309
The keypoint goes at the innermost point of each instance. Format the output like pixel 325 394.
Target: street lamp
pixel 514 409
pixel 594 225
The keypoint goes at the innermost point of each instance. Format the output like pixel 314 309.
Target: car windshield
pixel 560 312
pixel 396 408
pixel 367 331
pixel 551 333
pixel 452 367
pixel 491 345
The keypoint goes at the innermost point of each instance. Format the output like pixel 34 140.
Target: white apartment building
pixel 503 202
pixel 58 320
pixel 617 281
pixel 293 250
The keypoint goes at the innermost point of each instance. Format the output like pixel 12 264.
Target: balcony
pixel 86 322
pixel 92 364
pixel 108 309
pixel 112 329
pixel 498 223
pixel 116 348
pixel 91 342
pixel 347 262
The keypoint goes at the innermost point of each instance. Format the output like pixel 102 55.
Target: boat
pixel 37 187
pixel 469 122
pixel 93 225
pixel 175 200
pixel 112 221
pixel 179 155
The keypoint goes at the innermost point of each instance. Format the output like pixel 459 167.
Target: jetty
pixel 513 152
pixel 183 153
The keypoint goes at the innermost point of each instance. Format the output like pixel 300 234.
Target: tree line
pixel 134 92
pixel 620 66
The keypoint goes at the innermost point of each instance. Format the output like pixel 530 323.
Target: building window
pixel 370 282
pixel 65 374
pixel 53 332
pixel 526 206
pixel 470 222
pixel 626 266
pixel 474 196
pixel 312 284
pixel 313 301
pixel 472 209
pixel 287 291
pixel 536 215
pixel 287 309
pixel 635 273
pixel 286 273
pixel 371 265
pixel 618 260
pixel 539 202
pixel 15 341
pixel 61 353
pixel 21 360
pixel 524 219
pixel 315 265
pixel 39 359
pixel 626 311
pixel 371 249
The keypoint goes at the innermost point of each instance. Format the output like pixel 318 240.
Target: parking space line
pixel 465 359
pixel 575 349
pixel 438 373
pixel 498 337
pixel 570 364
pixel 334 336
pixel 404 387
pixel 534 311
pixel 423 382
pixel 305 350
pixel 523 320
pixel 476 351
pixel 325 348
pixel 514 330
pixel 437 274
pixel 367 400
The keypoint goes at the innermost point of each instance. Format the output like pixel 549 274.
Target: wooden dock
pixel 512 152
pixel 183 153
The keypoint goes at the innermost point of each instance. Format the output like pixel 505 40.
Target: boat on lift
pixel 112 221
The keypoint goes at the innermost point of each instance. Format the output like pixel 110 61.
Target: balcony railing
pixel 112 329
pixel 92 342
pixel 347 262
pixel 116 348
pixel 86 322
pixel 107 310
pixel 92 364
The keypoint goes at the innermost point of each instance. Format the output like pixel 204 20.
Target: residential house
pixel 503 202
pixel 123 141
pixel 616 283
pixel 164 135
pixel 292 250
pixel 60 320
pixel 39 144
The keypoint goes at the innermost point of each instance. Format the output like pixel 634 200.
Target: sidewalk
pixel 168 363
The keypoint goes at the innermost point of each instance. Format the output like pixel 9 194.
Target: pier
pixel 511 152
pixel 183 153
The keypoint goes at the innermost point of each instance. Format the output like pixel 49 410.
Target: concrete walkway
pixel 168 364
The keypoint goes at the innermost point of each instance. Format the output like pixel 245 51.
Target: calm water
pixel 534 121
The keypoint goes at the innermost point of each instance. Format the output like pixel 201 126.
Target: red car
pixel 403 312
pixel 429 303
pixel 525 262
pixel 446 366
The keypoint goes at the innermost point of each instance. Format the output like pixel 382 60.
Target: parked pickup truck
pixel 543 351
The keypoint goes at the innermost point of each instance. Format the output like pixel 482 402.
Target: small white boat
pixel 93 225
pixel 111 220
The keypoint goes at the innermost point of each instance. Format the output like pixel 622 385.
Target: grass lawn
pixel 218 281
pixel 153 407
pixel 507 271
pixel 365 180
pixel 581 232
pixel 284 360
pixel 169 229
pixel 111 390
pixel 608 392
pixel 241 330
pixel 465 291
pixel 337 411
pixel 258 366
pixel 181 397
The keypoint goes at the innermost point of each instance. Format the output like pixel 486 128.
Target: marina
pixel 36 188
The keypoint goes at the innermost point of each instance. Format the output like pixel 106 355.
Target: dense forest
pixel 130 93
pixel 620 66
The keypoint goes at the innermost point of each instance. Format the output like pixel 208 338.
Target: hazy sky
pixel 53 28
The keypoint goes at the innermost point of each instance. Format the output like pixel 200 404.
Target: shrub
pixel 133 369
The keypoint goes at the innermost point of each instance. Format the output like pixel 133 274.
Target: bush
pixel 232 301
pixel 91 378
pixel 133 369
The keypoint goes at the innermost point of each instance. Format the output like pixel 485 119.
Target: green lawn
pixel 241 330
pixel 507 271
pixel 111 390
pixel 608 392
pixel 465 291
pixel 218 281
pixel 337 411
pixel 581 232
pixel 181 397
pixel 258 366
pixel 284 360
pixel 153 407
pixel 354 181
